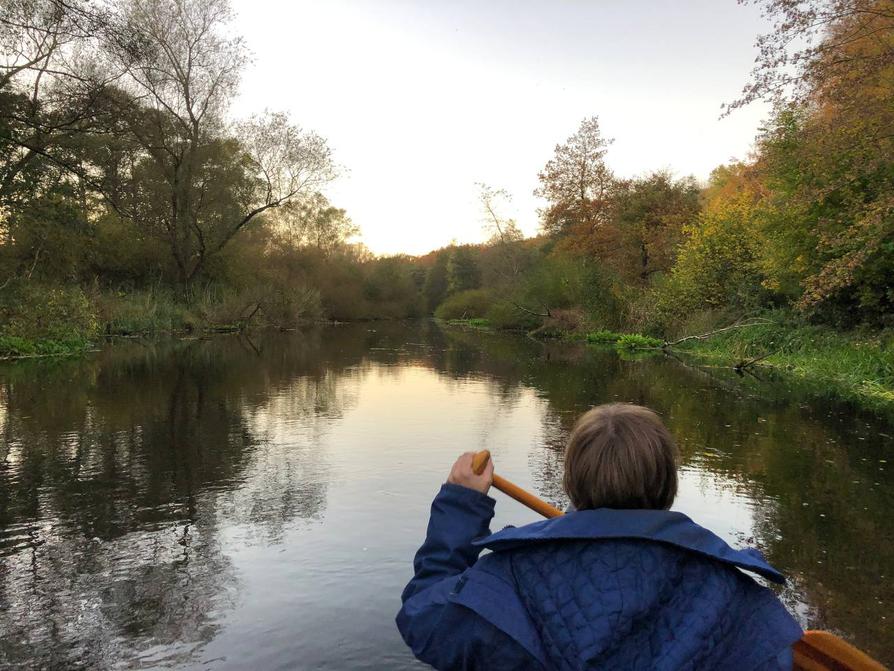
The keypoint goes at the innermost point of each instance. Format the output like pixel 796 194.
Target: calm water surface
pixel 255 503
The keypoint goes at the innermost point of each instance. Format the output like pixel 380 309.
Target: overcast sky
pixel 422 99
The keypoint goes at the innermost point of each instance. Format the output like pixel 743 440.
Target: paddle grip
pixel 479 461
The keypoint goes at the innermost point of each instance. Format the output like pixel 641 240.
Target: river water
pixel 237 502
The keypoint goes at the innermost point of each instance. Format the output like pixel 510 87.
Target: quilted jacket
pixel 594 589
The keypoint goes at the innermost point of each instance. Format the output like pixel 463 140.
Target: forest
pixel 132 203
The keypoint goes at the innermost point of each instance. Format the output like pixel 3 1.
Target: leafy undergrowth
pixel 13 347
pixel 624 341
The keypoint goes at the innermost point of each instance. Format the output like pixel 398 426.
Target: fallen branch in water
pixel 742 365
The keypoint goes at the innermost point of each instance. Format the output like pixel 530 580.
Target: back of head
pixel 620 455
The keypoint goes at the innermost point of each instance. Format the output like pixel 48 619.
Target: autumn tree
pixel 827 154
pixel 646 223
pixel 576 183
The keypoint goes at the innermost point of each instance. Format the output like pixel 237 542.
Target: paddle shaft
pixel 511 489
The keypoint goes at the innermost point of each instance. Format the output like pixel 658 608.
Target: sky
pixel 421 100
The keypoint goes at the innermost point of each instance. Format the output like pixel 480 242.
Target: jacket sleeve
pixel 439 632
pixel 458 515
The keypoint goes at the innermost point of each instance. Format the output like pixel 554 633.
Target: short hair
pixel 620 455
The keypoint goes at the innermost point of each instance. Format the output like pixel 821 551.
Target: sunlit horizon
pixel 447 96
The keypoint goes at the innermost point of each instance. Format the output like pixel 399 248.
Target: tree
pixel 718 263
pixel 646 225
pixel 435 287
pixel 576 182
pixel 462 271
pixel 183 69
pixel 315 222
pixel 505 235
pixel 51 93
pixel 812 46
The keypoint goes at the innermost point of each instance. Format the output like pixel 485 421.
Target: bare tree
pixel 504 232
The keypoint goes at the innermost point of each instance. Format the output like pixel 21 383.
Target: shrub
pixel 505 316
pixel 465 305
pixel 35 312
pixel 637 341
pixel 145 311
pixel 603 337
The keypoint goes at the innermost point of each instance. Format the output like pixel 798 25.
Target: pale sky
pixel 422 99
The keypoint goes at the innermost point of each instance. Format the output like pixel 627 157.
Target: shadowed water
pixel 255 503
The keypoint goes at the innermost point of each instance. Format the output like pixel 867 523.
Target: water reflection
pixel 231 502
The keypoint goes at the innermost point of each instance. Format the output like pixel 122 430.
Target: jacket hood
pixel 662 526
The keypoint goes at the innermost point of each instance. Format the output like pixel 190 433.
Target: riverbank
pixel 857 366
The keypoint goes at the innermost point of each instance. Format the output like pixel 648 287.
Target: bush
pixel 637 341
pixel 35 312
pixel 465 305
pixel 603 337
pixel 505 316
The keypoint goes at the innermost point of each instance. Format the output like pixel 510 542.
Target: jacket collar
pixel 662 526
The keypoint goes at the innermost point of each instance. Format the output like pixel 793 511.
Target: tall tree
pixel 183 68
pixel 576 182
pixel 827 155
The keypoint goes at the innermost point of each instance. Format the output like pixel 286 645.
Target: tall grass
pixel 860 364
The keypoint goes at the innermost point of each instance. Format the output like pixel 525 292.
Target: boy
pixel 620 583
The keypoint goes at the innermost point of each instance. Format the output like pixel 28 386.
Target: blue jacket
pixel 594 589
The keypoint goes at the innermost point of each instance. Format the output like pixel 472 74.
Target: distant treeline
pixel 128 203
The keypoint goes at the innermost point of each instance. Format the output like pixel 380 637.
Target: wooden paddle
pixel 816 651
pixel 479 461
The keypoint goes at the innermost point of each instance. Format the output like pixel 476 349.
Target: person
pixel 619 582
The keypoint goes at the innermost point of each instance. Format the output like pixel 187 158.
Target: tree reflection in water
pixel 117 475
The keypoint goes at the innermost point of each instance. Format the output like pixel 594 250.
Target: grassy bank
pixel 39 321
pixel 859 366
pixel 14 347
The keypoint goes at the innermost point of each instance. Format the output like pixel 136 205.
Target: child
pixel 620 583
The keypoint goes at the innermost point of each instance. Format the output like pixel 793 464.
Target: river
pixel 255 502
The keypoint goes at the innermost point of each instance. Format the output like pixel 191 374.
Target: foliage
pixel 462 271
pixel 637 341
pixel 508 316
pixel 465 305
pixel 859 364
pixel 576 182
pixel 603 337
pixel 35 311
pixel 435 287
